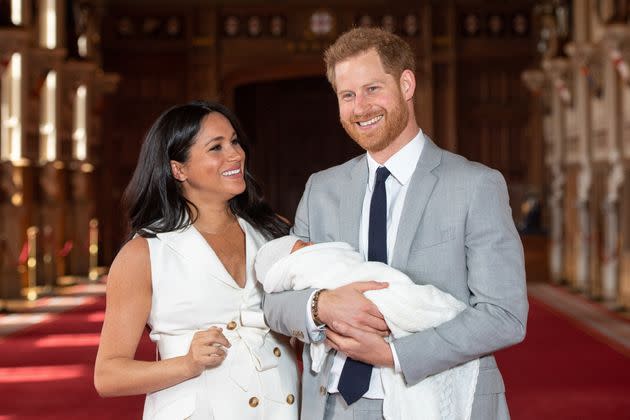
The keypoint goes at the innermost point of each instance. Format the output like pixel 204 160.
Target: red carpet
pixel 560 372
pixel 46 371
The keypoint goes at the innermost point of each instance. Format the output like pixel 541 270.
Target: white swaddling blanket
pixel 407 308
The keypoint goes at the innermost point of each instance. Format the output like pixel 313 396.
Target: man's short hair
pixel 396 55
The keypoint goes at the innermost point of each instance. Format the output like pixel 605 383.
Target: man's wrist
pixel 315 333
pixel 315 308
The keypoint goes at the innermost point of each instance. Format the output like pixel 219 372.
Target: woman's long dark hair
pixel 154 199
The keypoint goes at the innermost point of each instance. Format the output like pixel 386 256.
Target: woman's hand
pixel 207 350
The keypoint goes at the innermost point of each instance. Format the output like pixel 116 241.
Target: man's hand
pixel 360 345
pixel 348 303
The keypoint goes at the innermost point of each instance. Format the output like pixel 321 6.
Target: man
pixel 434 215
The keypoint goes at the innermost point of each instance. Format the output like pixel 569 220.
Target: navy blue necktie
pixel 355 375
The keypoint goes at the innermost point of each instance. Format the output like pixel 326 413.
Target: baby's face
pixel 299 245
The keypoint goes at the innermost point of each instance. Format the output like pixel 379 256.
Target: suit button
pixel 322 390
pixel 231 325
pixel 277 352
pixel 253 402
pixel 290 399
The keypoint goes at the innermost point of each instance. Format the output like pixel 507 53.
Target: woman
pixel 197 219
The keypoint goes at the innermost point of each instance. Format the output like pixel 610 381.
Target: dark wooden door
pixel 493 107
pixel 295 131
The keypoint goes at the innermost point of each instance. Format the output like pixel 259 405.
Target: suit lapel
pixel 420 188
pixel 351 203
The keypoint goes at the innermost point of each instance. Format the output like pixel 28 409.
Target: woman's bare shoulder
pixel 136 249
pixel 132 261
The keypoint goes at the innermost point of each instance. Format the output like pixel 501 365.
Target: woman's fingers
pixel 211 348
pixel 208 348
pixel 215 357
pixel 219 338
pixel 213 351
pixel 211 336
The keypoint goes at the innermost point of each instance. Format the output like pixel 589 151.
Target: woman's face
pixel 216 163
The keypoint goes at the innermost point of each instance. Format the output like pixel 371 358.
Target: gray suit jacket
pixel 456 232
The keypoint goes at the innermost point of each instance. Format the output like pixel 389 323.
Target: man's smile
pixel 370 122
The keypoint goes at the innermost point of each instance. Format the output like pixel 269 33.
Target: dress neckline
pixel 243 225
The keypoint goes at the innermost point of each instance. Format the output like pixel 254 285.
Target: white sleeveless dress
pixel 192 291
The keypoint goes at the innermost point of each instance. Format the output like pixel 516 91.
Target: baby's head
pixel 299 244
pixel 274 251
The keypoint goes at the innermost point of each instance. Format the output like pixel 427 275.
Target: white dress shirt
pixel 401 166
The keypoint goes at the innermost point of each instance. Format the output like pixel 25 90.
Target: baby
pixel 288 263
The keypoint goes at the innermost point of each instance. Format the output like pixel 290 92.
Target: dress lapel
pixel 351 203
pixel 420 188
pixel 253 241
pixel 192 247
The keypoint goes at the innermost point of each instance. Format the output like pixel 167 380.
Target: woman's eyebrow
pixel 217 138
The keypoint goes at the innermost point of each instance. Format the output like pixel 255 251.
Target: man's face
pixel 372 108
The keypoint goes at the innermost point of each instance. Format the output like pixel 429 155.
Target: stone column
pixel 556 70
pixel 15 175
pixel 12 233
pixel 581 53
pixel 51 221
pixel 615 35
pixel 623 298
pixel 80 212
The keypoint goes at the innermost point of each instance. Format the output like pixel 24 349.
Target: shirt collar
pixel 401 164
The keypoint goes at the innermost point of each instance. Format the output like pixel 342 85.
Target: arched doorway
pixel 295 131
